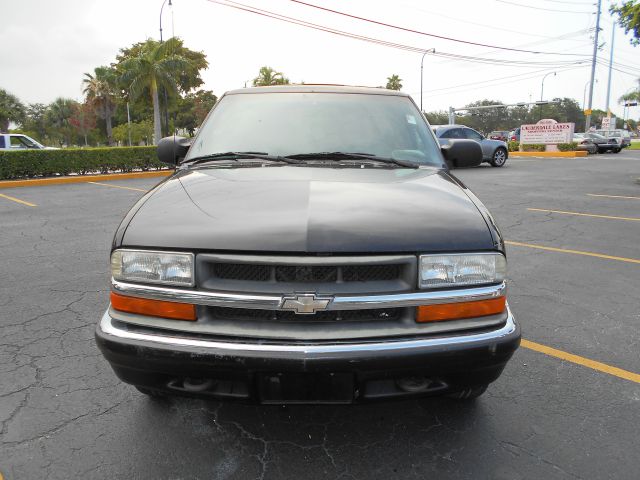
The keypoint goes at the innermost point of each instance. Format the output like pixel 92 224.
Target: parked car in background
pixel 603 143
pixel 620 137
pixel 17 141
pixel 514 135
pixel 585 143
pixel 501 135
pixel 495 152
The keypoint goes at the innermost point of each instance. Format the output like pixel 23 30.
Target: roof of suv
pixel 310 88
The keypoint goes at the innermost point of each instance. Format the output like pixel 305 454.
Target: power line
pixel 498 81
pixel 304 23
pixel 582 4
pixel 540 8
pixel 484 25
pixel 424 33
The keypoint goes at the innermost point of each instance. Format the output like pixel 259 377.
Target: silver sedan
pixel 494 152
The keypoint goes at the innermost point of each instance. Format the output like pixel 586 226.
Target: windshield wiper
pixel 238 156
pixel 338 156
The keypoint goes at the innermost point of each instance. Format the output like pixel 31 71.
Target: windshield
pixel 297 123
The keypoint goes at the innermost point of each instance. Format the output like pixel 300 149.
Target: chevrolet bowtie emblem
pixel 305 303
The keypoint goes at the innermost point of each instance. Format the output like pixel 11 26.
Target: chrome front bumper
pixel 338 302
pixel 110 329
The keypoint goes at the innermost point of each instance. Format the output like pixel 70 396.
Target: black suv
pixel 311 247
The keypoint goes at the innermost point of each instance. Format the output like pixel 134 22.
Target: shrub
pixel 567 147
pixel 513 146
pixel 35 163
pixel 534 147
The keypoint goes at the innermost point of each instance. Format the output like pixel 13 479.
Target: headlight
pixel 460 270
pixel 153 267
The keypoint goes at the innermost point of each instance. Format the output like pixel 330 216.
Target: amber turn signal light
pixel 154 308
pixel 456 311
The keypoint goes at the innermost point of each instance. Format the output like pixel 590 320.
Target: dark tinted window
pixel 472 134
pixel 294 123
pixel 1 141
pixel 453 133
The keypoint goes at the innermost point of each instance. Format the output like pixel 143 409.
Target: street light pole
pixel 431 50
pixel 542 88
pixel 126 95
pixel 613 37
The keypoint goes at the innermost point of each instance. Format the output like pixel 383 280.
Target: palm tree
pixel 155 67
pixel 57 116
pixel 11 110
pixel 631 96
pixel 394 82
pixel 268 76
pixel 100 90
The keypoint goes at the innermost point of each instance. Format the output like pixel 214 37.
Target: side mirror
pixel 173 149
pixel 462 153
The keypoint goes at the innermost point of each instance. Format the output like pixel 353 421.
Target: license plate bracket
pixel 299 388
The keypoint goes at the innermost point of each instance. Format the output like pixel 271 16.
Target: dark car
pixel 621 138
pixel 494 152
pixel 501 135
pixel 311 247
pixel 604 144
pixel 585 143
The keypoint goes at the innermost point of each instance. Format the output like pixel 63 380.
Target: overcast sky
pixel 47 46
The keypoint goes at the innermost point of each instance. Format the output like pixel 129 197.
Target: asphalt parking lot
pixel 574 267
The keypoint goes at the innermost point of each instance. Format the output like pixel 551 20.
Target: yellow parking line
pixel 585 362
pixel 118 186
pixel 612 196
pixel 28 204
pixel 631 219
pixel 575 252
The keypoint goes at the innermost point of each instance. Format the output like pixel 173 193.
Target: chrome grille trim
pixel 340 302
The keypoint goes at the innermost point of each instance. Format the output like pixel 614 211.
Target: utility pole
pixel 587 123
pixel 613 35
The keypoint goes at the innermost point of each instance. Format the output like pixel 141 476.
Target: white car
pixel 17 141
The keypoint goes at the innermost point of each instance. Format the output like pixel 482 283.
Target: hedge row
pixel 45 163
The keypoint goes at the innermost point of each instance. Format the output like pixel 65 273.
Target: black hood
pixel 308 209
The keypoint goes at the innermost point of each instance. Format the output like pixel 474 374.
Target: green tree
pixel 155 67
pixel 100 90
pixel 631 96
pixel 192 109
pixel 437 118
pixel 268 76
pixel 141 133
pixel 629 18
pixel 394 82
pixel 11 110
pixel 83 120
pixel 35 122
pixel 57 116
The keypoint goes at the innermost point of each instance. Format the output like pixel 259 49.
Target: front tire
pixel 616 150
pixel 499 158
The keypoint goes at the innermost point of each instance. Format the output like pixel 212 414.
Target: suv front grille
pixel 328 275
pixel 224 313
pixel 304 273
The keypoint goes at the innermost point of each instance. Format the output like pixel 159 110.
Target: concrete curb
pixel 41 182
pixel 549 154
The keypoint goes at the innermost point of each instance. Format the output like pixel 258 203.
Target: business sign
pixel 548 132
pixel 609 123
